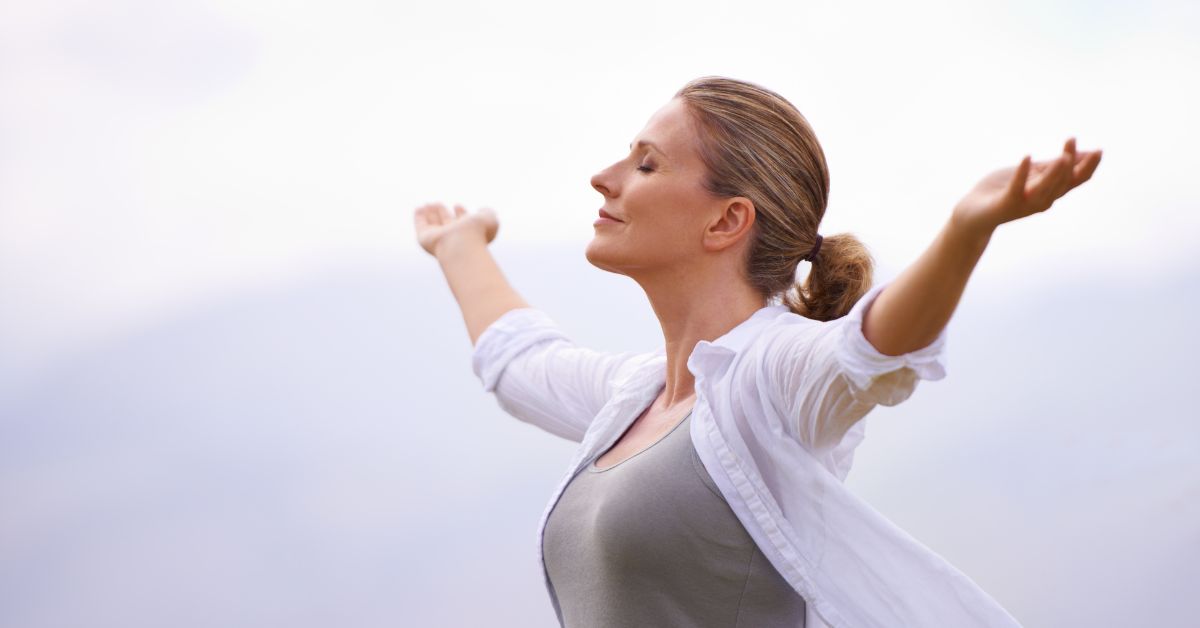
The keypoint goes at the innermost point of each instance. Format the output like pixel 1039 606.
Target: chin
pixel 601 256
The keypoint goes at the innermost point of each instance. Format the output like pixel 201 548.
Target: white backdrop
pixel 233 389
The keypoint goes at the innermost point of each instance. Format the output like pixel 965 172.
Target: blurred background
pixel 235 392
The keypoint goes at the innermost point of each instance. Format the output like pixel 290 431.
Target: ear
pixel 732 225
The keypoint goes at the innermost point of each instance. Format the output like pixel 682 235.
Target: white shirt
pixel 778 412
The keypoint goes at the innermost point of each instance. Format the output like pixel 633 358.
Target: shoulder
pixel 788 331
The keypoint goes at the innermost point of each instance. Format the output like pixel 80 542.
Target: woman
pixel 707 489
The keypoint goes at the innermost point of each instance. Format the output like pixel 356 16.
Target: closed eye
pixel 645 168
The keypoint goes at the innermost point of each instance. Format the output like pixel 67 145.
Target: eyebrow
pixel 650 144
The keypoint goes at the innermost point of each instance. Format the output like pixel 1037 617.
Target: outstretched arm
pixel 538 374
pixel 918 303
pixel 460 241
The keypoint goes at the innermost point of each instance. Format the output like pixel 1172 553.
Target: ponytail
pixel 838 277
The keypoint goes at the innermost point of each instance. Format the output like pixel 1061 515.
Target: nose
pixel 602 182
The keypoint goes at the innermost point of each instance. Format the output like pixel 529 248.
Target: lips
pixel 604 214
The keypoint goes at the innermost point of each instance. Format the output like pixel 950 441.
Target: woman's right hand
pixel 434 224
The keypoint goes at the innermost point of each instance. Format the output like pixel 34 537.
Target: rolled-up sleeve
pixel 825 376
pixel 879 378
pixel 540 376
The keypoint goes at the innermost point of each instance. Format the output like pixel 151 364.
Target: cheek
pixel 678 216
pixel 662 206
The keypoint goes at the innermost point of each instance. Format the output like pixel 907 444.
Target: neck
pixel 692 307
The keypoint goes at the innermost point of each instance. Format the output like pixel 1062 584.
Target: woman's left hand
pixel 1016 192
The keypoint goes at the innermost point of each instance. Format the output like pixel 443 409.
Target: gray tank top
pixel 650 542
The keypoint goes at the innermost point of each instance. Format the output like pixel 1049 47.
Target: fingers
pixel 1082 165
pixel 1068 160
pixel 425 217
pixel 1016 187
pixel 430 215
pixel 1085 167
pixel 1051 184
pixel 436 214
pixel 1061 178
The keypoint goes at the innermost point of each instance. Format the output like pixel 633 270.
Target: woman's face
pixel 657 193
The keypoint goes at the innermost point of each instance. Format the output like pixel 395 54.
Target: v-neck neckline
pixel 595 469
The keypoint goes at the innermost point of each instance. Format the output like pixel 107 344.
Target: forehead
pixel 671 128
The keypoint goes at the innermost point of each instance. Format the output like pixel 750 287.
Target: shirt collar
pixel 709 360
pixel 734 340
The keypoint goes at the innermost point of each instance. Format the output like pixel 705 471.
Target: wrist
pixel 969 232
pixel 968 240
pixel 454 242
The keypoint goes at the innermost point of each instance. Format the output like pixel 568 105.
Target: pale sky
pixel 158 154
pixel 203 205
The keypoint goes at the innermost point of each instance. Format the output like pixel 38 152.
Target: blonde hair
pixel 756 144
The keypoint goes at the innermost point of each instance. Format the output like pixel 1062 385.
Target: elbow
pixel 892 339
pixel 894 345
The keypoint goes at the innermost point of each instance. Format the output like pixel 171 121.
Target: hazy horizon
pixel 235 392
pixel 321 454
